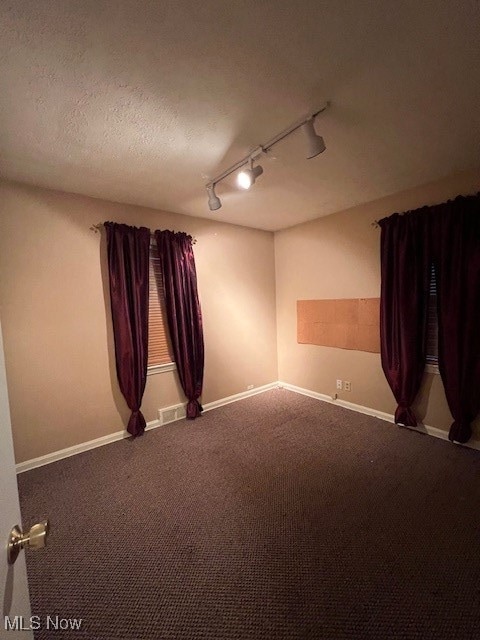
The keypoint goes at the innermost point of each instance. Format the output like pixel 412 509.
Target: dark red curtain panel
pixel 183 313
pixel 456 239
pixel 128 261
pixel 405 270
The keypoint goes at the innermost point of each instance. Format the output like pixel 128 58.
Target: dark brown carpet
pixel 275 517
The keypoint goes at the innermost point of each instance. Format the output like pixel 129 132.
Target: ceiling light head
pixel 247 177
pixel 214 201
pixel 316 144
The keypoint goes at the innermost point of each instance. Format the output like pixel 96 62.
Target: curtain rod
pixel 96 228
pixel 376 223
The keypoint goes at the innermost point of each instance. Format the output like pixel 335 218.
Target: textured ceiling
pixel 141 101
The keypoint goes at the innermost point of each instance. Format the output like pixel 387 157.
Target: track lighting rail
pixel 214 201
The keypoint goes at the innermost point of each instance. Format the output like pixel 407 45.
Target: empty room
pixel 239 305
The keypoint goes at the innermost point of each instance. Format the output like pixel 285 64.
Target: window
pixel 432 326
pixel 159 347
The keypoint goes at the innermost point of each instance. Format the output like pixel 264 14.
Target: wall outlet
pixel 347 386
pixel 249 386
pixel 339 384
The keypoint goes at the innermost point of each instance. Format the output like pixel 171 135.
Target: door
pixel 13 578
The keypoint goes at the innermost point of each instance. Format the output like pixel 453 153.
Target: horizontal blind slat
pixel 159 349
pixel 432 321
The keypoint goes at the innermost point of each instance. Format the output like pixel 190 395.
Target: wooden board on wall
pixel 352 323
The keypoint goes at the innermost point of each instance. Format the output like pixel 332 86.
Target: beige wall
pixel 338 257
pixel 56 317
pixel 57 327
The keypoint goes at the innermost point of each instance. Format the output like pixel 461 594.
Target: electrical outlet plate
pixel 348 385
pixel 339 384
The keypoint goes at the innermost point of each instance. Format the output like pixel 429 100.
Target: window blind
pixel 159 348
pixel 432 321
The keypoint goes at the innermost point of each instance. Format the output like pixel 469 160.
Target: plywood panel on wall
pixel 351 323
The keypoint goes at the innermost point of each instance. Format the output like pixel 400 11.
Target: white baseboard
pixel 388 417
pixel 239 396
pixel 341 403
pixel 78 448
pixel 120 435
pixel 69 451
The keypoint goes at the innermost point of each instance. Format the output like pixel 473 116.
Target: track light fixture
pixel 213 200
pixel 247 177
pixel 316 144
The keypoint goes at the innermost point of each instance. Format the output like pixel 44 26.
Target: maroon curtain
pixel 128 261
pixel 183 313
pixel 456 239
pixel 405 271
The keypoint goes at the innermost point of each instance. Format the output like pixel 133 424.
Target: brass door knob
pixel 36 538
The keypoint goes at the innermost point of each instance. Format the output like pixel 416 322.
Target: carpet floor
pixel 278 516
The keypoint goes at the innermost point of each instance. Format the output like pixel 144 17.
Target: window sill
pixel 432 368
pixel 161 368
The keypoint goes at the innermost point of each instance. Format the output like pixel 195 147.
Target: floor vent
pixel 170 414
